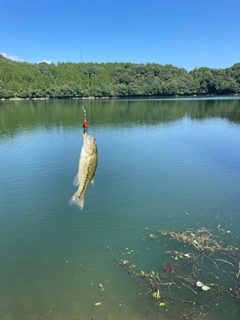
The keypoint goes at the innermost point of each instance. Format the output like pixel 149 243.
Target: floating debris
pixel 201 255
pixel 169 267
pixel 199 284
pixel 101 286
pixel 205 288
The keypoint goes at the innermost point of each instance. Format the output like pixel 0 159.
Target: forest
pixel 82 80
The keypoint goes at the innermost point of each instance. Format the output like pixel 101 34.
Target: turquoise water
pixel 162 164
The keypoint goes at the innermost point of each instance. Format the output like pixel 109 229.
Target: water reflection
pixel 22 115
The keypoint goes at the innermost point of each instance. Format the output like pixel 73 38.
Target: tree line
pixel 79 80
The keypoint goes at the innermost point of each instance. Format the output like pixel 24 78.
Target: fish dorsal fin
pixel 75 181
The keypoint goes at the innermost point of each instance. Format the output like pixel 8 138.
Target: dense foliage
pixel 73 80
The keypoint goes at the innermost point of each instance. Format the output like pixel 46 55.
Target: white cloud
pixel 16 58
pixel 46 61
pixel 11 57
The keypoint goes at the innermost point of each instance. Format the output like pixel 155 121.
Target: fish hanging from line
pixel 88 162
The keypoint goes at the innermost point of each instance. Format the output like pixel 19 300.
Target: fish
pixel 87 166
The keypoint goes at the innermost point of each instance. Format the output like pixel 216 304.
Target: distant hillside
pixel 77 80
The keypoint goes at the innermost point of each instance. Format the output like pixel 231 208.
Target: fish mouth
pixel 89 139
pixel 89 142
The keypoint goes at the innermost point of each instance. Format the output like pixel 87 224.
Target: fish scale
pixel 90 173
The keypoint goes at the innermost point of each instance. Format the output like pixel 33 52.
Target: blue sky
pixel 183 33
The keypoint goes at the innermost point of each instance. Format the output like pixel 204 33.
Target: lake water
pixel 163 164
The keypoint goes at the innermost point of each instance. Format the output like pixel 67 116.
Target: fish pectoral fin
pixel 92 181
pixel 77 201
pixel 75 181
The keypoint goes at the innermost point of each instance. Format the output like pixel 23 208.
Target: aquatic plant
pixel 194 281
pixel 169 267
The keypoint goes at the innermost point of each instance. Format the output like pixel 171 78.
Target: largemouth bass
pixel 86 169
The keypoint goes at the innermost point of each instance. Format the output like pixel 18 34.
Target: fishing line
pixel 84 114
pixel 85 123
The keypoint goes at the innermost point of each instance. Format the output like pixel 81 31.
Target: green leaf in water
pixel 161 304
pixel 156 295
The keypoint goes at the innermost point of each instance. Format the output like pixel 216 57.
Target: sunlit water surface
pixel 162 164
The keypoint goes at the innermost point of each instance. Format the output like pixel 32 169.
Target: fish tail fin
pixel 77 201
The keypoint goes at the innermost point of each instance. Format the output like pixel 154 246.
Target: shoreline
pixel 124 97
